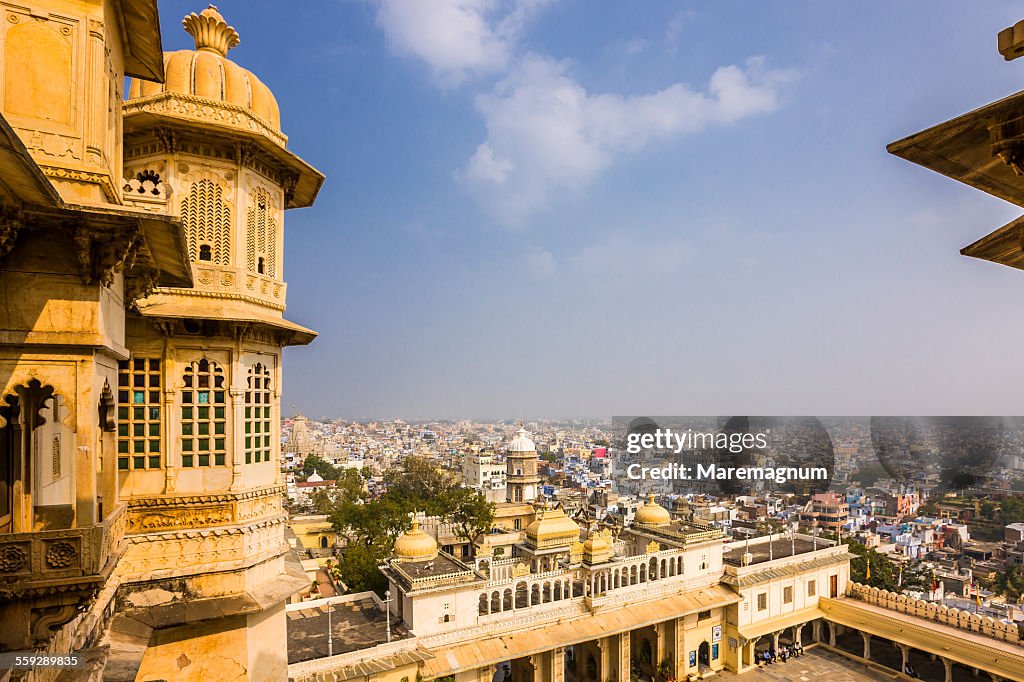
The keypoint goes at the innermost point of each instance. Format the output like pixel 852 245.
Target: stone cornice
pixel 208 498
pixel 101 179
pixel 192 108
pixel 206 293
pixel 202 533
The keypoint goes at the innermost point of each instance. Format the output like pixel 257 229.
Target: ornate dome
pixel 415 545
pixel 522 442
pixel 206 72
pixel 653 514
pixel 552 528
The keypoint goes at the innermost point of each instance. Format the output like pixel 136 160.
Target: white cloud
pixel 457 39
pixel 546 134
pixel 541 262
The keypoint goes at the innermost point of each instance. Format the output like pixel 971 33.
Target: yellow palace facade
pixel 141 331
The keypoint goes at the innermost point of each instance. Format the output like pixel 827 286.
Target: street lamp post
pixel 387 612
pixel 330 632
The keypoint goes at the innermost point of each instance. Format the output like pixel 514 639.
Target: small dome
pixel 552 528
pixel 314 478
pixel 653 514
pixel 415 545
pixel 522 442
pixel 206 72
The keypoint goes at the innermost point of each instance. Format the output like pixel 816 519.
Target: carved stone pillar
pixel 624 654
pixel 237 455
pixel 831 633
pixel 556 667
pixel 867 645
pixel 948 664
pixel 905 651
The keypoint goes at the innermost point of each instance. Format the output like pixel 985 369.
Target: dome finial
pixel 210 31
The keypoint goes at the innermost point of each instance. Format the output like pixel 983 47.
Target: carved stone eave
pixel 1005 246
pixel 173 119
pixel 981 148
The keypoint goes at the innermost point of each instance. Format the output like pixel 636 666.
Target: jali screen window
pixel 203 415
pixel 138 414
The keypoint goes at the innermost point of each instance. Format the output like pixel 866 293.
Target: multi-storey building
pixel 827 511
pixel 140 344
pixel 485 471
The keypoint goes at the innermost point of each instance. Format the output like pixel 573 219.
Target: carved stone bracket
pixel 11 221
pixel 168 138
pixel 1007 138
pixel 101 256
pixel 289 181
pixel 108 413
pixel 245 153
pixel 47 620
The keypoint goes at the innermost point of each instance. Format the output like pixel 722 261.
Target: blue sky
pixel 551 208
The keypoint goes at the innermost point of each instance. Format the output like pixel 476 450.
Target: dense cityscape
pixel 960 548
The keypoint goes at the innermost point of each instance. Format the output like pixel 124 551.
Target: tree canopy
pixel 325 469
pixel 371 525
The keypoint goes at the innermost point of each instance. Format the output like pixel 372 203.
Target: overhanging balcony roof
pixel 961 148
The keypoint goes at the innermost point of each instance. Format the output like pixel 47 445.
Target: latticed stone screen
pixel 257 415
pixel 138 414
pixel 261 234
pixel 207 220
pixel 203 415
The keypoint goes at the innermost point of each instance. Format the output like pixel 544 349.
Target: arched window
pixel 261 233
pixel 203 415
pixel 257 414
pixel 207 221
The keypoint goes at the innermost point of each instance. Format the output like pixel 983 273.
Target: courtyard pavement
pixel 816 665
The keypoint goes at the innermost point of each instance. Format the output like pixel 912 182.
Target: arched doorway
pixel 704 654
pixel 323 542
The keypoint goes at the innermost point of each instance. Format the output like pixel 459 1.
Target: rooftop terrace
pixel 357 622
pixel 762 550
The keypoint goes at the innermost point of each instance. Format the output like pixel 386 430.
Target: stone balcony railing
pixel 939 613
pixel 59 559
pixel 236 283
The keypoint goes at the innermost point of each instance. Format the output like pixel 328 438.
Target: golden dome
pixel 415 545
pixel 653 514
pixel 206 72
pixel 552 528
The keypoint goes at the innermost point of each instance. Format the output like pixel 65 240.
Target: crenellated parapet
pixel 940 613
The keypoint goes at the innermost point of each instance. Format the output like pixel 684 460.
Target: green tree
pixel 884 571
pixel 1010 583
pixel 469 512
pixel 358 567
pixel 1011 510
pixel 316 463
pixel 370 526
